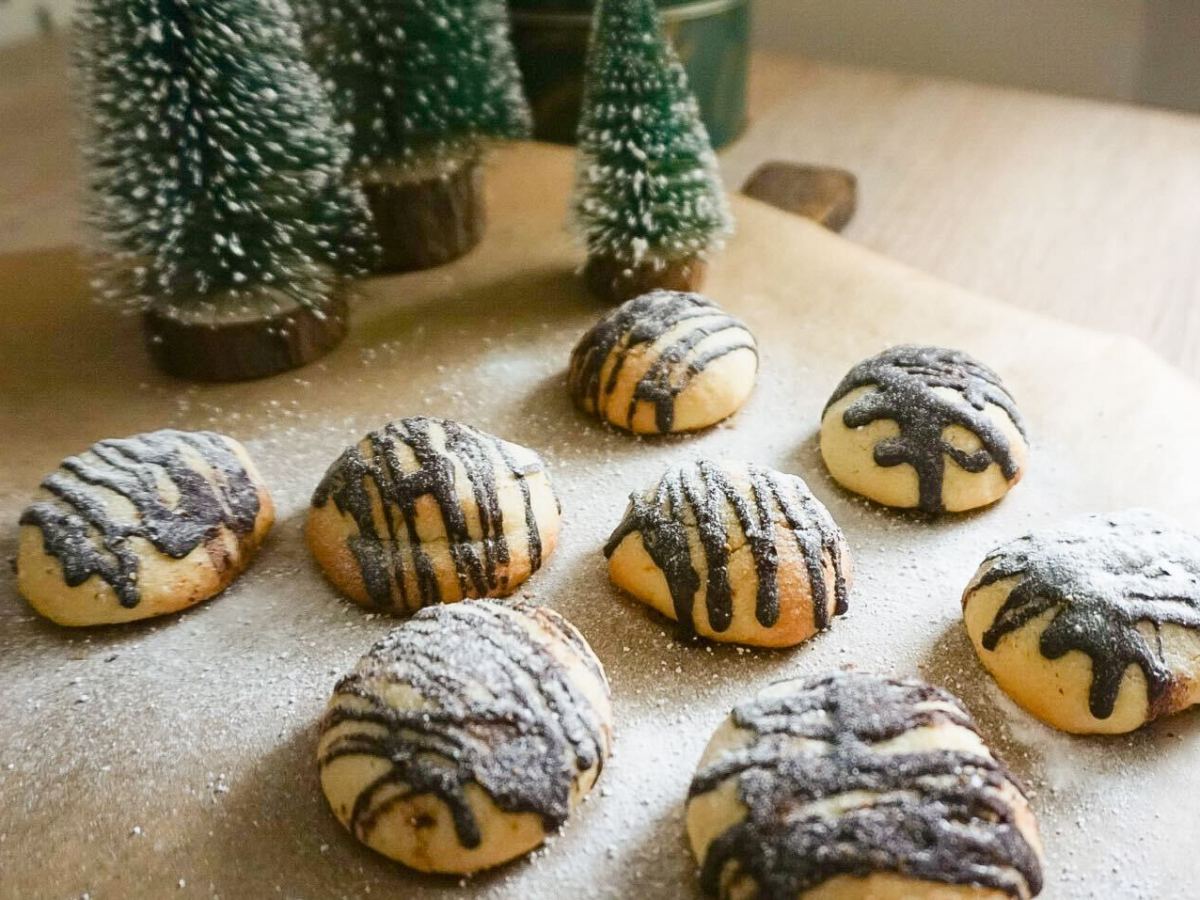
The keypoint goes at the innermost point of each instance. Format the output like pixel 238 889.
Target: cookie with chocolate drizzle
pixel 427 511
pixel 1093 627
pixel 924 428
pixel 733 552
pixel 141 526
pixel 857 787
pixel 664 362
pixel 466 736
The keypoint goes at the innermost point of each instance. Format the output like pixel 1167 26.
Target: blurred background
pixel 1142 51
pixel 1082 210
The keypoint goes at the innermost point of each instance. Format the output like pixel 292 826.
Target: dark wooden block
pixel 827 195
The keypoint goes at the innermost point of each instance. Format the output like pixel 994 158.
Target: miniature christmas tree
pixel 648 199
pixel 509 115
pixel 216 173
pixel 423 84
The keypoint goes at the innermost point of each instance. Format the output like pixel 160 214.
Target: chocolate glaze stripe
pixel 703 492
pixel 1102 578
pixel 376 557
pixel 381 558
pixel 939 815
pixel 642 322
pixel 906 379
pixel 524 740
pixel 481 465
pixel 646 329
pixel 79 530
pixel 661 383
pixel 379 583
pixel 819 538
pixel 436 478
pixel 521 474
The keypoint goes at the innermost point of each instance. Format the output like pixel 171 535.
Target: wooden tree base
pixel 429 222
pixel 244 347
pixel 616 283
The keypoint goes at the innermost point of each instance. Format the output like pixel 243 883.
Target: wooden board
pixel 176 757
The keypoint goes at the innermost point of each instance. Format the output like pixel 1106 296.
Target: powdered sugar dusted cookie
pixel 664 362
pixel 734 552
pixel 924 428
pixel 1095 626
pixel 141 526
pixel 428 511
pixel 855 787
pixel 466 736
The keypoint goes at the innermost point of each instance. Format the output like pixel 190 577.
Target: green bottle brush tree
pixel 216 183
pixel 423 85
pixel 648 199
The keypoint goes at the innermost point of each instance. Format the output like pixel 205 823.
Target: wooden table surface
pixel 1084 210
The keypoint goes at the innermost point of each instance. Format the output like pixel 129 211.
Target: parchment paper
pixel 175 758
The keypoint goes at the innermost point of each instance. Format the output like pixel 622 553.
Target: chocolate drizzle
pixel 498 709
pixel 703 493
pixel 637 325
pixel 210 491
pixel 932 815
pixel 1102 577
pixel 375 468
pixel 906 381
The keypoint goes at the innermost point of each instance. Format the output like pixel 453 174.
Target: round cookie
pixel 664 362
pixel 733 552
pixel 924 428
pixel 427 511
pixel 141 526
pixel 857 787
pixel 466 736
pixel 1094 627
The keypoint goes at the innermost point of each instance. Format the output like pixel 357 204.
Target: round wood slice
pixel 615 282
pixel 427 222
pixel 244 346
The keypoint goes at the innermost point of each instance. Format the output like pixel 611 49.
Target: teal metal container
pixel 712 38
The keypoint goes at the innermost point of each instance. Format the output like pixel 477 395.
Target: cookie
pixel 141 526
pixel 466 736
pixel 664 362
pixel 733 552
pixel 427 511
pixel 857 787
pixel 1093 627
pixel 924 428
